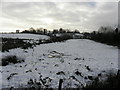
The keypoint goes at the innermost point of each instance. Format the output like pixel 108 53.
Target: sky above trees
pixel 84 16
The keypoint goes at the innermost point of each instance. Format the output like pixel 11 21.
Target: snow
pixel 68 57
pixel 25 36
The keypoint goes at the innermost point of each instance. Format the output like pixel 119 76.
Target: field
pixel 24 36
pixel 76 61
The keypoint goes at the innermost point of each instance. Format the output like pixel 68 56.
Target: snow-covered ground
pixel 25 36
pixel 74 61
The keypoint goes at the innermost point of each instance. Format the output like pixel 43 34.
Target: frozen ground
pixel 24 36
pixel 75 61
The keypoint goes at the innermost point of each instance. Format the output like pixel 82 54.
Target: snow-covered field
pixel 24 36
pixel 74 61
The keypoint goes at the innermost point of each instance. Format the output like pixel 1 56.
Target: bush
pixel 110 38
pixel 60 38
pixel 10 59
pixel 112 81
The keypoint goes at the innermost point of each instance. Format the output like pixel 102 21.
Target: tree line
pixel 48 32
pixel 107 35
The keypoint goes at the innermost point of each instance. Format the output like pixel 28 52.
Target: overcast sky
pixel 84 16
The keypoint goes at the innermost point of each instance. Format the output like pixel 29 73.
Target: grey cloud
pixel 86 15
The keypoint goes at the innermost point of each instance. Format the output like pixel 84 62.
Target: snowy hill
pixel 75 61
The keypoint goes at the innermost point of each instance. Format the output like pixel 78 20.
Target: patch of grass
pixel 88 68
pixel 10 59
pixel 10 43
pixel 60 73
pixel 78 73
pixel 62 60
pixel 39 84
pixel 11 75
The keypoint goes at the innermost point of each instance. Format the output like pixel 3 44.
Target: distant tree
pixel 25 31
pixel 55 31
pixel 94 32
pixel 40 30
pixel 45 31
pixel 34 31
pixel 107 35
pixel 31 29
pixel 76 31
pixel 68 31
pixel 105 29
pixel 60 30
pixel 116 30
pixel 86 35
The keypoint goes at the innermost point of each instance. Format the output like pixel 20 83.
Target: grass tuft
pixel 10 59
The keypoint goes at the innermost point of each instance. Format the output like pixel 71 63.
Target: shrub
pixel 60 38
pixel 10 59
pixel 110 38
pixel 112 81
